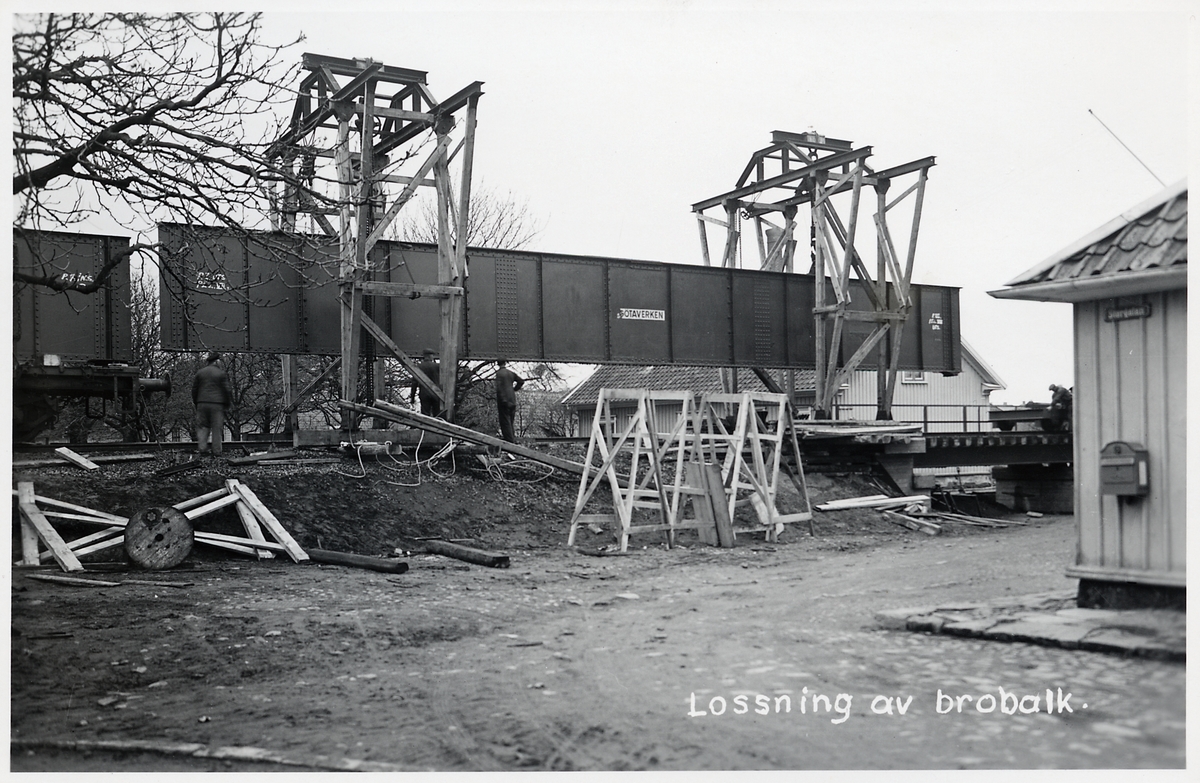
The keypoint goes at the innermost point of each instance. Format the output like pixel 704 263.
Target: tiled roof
pixel 1151 236
pixel 668 378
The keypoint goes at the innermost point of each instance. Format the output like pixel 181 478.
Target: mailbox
pixel 1124 469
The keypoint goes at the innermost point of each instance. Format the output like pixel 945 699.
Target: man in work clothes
pixel 1060 407
pixel 508 383
pixel 430 405
pixel 212 396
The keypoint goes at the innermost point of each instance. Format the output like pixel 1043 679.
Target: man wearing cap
pixel 1061 403
pixel 430 405
pixel 508 383
pixel 212 397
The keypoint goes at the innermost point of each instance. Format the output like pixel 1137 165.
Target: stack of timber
pixel 255 517
pixel 907 511
pixel 385 410
pixel 966 519
pixel 881 502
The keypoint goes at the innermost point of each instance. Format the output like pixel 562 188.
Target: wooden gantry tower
pixel 359 131
pixel 803 172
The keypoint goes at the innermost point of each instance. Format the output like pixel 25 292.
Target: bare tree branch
pixel 149 118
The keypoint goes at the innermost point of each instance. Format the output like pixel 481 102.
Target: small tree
pixel 498 221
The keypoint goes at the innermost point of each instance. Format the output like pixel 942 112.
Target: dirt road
pixel 569 662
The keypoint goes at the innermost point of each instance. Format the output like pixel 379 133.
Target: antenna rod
pixel 1126 146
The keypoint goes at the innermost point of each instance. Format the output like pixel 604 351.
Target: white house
pixel 955 403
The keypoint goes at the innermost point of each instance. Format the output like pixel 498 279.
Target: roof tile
pixel 1155 239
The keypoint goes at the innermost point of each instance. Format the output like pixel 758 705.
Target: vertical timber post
pixel 351 299
pixel 883 397
pixel 447 267
pixel 820 411
pixel 288 379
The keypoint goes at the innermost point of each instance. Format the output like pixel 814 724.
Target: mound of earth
pixel 380 504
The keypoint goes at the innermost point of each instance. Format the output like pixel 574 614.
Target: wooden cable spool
pixel 159 538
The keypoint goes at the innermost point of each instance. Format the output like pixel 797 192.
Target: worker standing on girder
pixel 508 383
pixel 1060 407
pixel 212 397
pixel 432 369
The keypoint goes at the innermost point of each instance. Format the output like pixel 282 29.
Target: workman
pixel 212 397
pixel 430 405
pixel 1061 402
pixel 508 383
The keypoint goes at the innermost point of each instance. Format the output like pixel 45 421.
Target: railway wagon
pixel 68 345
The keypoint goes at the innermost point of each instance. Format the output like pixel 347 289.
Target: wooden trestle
pixel 743 435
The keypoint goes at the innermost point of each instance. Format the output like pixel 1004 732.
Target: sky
pixel 610 119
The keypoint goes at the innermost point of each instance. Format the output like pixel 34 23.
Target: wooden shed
pixel 1128 284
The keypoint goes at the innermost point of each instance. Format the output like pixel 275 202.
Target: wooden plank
pixel 29 537
pixel 270 522
pixel 706 525
pixel 72 581
pixel 383 288
pixel 247 546
pixel 311 387
pixel 309 461
pixel 76 459
pixel 253 458
pixel 249 522
pixel 928 528
pixel 200 500
pixel 396 413
pixel 850 503
pixel 716 494
pixel 92 542
pixel 219 503
pixel 102 459
pixel 115 540
pixel 417 373
pixel 49 536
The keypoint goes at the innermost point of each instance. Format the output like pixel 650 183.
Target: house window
pixel 913 377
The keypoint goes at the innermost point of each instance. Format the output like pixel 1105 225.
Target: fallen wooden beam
pixel 69 580
pixel 385 410
pixel 41 526
pixel 308 461
pixel 180 468
pixel 72 581
pixel 928 528
pixel 467 554
pixel 357 561
pixel 102 459
pixel 253 458
pixel 268 520
pixel 76 459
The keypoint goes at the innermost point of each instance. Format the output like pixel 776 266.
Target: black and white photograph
pixel 607 387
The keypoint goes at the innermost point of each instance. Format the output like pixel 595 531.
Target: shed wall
pixel 1131 385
